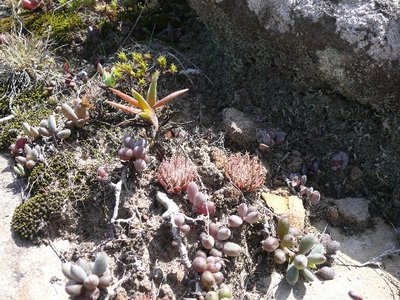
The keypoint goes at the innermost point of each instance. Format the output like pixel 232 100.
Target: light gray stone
pixel 351 213
pixel 240 130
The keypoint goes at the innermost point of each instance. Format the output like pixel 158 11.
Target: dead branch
pixel 117 192
pixel 172 210
pixel 376 261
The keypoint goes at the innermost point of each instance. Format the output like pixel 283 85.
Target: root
pixel 117 192
pixel 172 210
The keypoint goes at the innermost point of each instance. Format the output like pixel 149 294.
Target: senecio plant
pixel 145 108
pixel 301 260
pixel 85 279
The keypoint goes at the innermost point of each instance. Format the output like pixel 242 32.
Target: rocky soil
pixel 34 272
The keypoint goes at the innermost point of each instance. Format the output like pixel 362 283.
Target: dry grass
pixel 25 61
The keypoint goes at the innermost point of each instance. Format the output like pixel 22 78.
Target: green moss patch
pixel 31 108
pixel 35 213
pixel 63 25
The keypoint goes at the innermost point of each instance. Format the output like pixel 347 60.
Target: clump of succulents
pixel 297 260
pixel 102 174
pixel 199 200
pixel 267 138
pixel 209 267
pixel 31 158
pixel 18 146
pixel 301 262
pixel 247 214
pixel 47 128
pixel 298 182
pixel 180 222
pixel 85 279
pixel 246 173
pixel 136 151
pixel 176 173
pixel 78 116
pixel 217 238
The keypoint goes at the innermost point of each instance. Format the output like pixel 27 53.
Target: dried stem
pixel 117 192
pixel 172 210
pixel 377 259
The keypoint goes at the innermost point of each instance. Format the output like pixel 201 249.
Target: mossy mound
pixel 32 107
pixel 63 25
pixel 53 184
pixel 34 214
pixel 63 173
pixel 6 24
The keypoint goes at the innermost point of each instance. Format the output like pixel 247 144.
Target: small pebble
pixel 355 295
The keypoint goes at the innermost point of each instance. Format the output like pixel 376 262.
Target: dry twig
pixel 172 210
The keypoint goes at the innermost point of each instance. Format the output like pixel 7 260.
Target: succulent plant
pixel 29 158
pixel 145 108
pixel 136 151
pixel 176 173
pixel 298 182
pixel 47 128
pixel 246 214
pixel 199 200
pixel 246 173
pixel 340 161
pixel 77 116
pixel 308 255
pixel 267 138
pixel 85 279
pixel 301 262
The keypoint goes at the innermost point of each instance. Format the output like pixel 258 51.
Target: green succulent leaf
pixel 307 243
pixel 283 227
pixel 292 274
pixel 152 92
pixel 318 249
pixel 316 258
pixel 308 275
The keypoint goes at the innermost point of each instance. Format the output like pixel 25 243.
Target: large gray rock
pixel 350 46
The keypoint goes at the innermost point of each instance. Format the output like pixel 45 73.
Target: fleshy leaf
pixel 152 92
pixel 170 97
pixel 124 108
pixel 125 97
pixel 292 274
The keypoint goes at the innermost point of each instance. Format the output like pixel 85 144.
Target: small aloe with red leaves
pixel 145 108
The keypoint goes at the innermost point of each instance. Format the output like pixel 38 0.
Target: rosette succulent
pixel 304 263
pixel 85 279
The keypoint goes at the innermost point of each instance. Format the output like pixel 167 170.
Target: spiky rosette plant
pixel 246 173
pixel 145 108
pixel 174 174
pixel 87 278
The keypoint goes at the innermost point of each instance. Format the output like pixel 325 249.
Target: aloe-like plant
pixel 145 108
